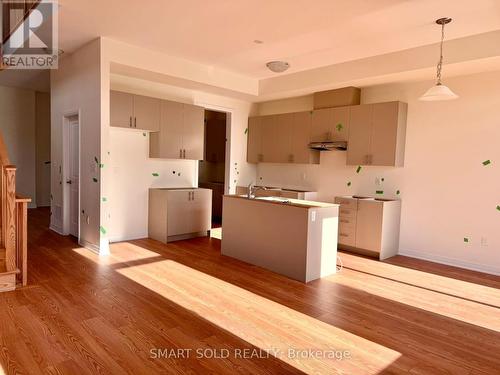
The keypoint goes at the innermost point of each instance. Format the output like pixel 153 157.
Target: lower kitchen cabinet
pixel 178 214
pixel 369 225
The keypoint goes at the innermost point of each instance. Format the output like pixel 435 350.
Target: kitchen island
pixel 292 237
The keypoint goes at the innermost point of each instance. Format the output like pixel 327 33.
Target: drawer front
pixel 347 221
pixel 347 236
pixel 346 213
pixel 351 203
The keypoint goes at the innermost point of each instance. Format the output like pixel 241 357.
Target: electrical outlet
pixel 484 241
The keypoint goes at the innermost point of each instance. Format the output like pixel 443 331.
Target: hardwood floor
pixel 84 314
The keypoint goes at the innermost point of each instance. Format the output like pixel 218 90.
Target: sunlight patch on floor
pixel 442 284
pixel 434 302
pixel 261 322
pixel 216 233
pixel 119 253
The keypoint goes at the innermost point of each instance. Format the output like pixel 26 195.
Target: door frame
pixel 227 167
pixel 66 201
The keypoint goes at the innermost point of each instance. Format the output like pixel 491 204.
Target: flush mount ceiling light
pixel 278 66
pixel 440 91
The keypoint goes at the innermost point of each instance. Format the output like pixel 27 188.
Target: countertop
pixel 285 201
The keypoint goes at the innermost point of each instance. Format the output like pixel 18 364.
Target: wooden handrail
pixel 4 155
pixel 9 219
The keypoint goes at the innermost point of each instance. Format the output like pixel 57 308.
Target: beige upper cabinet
pixel 121 109
pixel 254 140
pixel 134 111
pixel 360 130
pixel 181 132
pixel 377 134
pixel 193 132
pixel 146 113
pixel 301 137
pixel 282 138
pixel 330 124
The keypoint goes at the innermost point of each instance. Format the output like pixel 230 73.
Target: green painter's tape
pixel 103 230
pixel 486 162
pixel 156 174
pixel 398 192
pixel 104 199
pixel 359 169
pixel 96 160
pixel 94 179
pixel 340 127
pixel 101 165
pixel 379 192
pixel 498 208
pixel 466 240
pixel 349 183
pixel 246 131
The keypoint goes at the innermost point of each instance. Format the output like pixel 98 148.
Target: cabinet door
pixel 254 140
pixel 360 131
pixel 178 212
pixel 200 211
pixel 384 133
pixel 282 150
pixel 322 120
pixel 301 137
pixel 269 138
pixel 193 132
pixel 167 143
pixel 369 225
pixel 147 113
pixel 340 123
pixel 121 109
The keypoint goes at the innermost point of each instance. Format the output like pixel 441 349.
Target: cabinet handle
pixel 130 122
pixel 184 154
pixel 291 158
pixel 135 122
pixel 180 154
pixel 192 195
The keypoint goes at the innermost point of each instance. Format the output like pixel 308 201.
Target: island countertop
pixel 292 237
pixel 285 201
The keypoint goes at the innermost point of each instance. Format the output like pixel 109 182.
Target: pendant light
pixel 440 91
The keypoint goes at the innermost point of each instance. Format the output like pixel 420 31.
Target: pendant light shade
pixel 440 91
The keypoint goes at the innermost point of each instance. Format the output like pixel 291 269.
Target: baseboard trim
pixel 90 246
pixel 451 262
pixel 58 230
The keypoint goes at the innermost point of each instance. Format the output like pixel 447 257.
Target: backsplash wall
pixel 441 175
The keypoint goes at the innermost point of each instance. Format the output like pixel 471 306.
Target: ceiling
pixel 308 34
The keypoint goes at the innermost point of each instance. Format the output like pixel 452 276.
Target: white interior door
pixel 74 177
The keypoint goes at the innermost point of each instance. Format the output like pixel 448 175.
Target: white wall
pixel 76 88
pixel 447 194
pixel 17 124
pixel 132 176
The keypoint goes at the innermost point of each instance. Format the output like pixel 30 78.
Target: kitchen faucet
pixel 252 189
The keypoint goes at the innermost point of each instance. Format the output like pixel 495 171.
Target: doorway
pixel 212 169
pixel 71 175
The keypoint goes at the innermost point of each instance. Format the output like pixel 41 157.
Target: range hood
pixel 328 146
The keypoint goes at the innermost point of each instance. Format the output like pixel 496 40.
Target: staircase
pixel 13 227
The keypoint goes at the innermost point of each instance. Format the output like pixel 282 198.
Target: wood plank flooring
pixel 84 314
